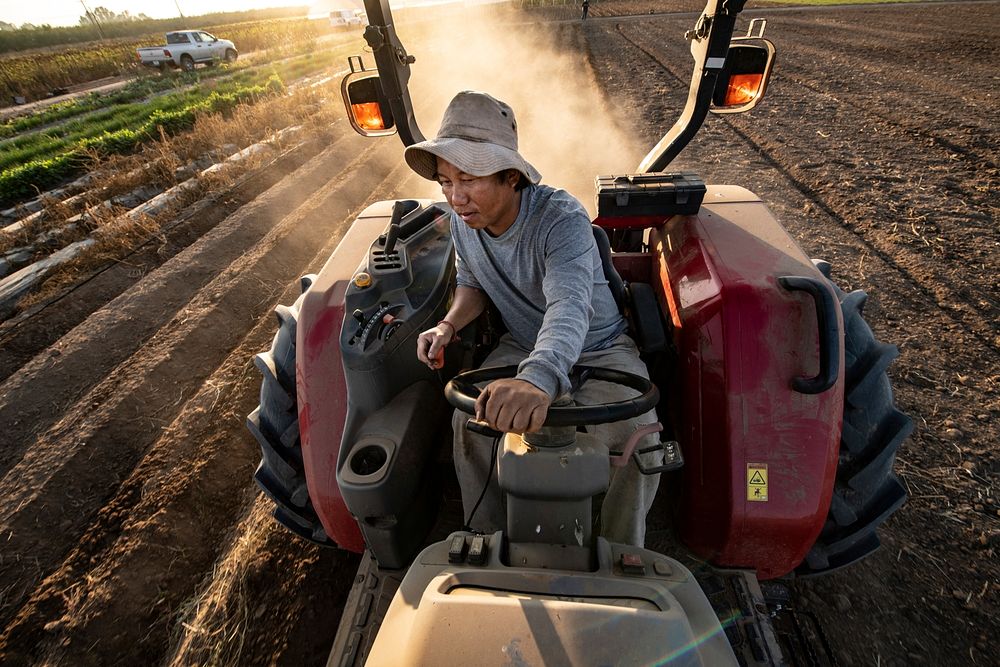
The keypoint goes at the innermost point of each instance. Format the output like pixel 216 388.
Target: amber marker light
pixel 743 89
pixel 368 115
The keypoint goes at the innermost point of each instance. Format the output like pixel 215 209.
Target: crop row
pixel 143 87
pixel 32 77
pixel 27 178
pixel 134 90
pixel 26 148
pixel 94 114
pixel 47 37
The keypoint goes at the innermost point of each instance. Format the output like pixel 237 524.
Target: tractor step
pixel 744 613
pixel 799 632
pixel 762 622
pixel 366 605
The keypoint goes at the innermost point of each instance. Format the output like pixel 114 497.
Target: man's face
pixel 483 202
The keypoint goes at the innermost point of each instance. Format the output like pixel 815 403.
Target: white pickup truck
pixel 348 17
pixel 186 48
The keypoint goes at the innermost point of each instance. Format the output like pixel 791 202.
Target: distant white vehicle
pixel 185 48
pixel 342 17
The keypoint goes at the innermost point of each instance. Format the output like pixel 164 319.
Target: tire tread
pixel 866 491
pixel 275 425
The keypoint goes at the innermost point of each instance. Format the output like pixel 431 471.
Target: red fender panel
pixel 761 458
pixel 321 389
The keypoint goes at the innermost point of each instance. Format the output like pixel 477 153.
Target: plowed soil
pixel 132 533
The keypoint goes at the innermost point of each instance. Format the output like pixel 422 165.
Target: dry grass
pixel 56 213
pixel 212 626
pixel 115 175
pixel 120 174
pixel 23 72
pixel 119 235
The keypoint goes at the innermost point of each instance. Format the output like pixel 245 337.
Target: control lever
pixel 400 209
pixel 439 359
pixel 673 459
pixel 359 315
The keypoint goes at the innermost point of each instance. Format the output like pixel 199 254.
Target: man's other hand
pixel 431 344
pixel 513 406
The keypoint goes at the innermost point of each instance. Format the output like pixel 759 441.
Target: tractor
pixel 777 424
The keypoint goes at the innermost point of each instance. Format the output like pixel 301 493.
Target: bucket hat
pixel 478 135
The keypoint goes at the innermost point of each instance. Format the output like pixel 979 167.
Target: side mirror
pixel 743 80
pixel 367 107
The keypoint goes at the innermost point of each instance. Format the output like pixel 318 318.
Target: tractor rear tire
pixel 275 425
pixel 866 491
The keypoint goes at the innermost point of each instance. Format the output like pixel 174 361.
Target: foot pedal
pixel 673 459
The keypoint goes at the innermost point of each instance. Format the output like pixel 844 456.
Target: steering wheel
pixel 462 393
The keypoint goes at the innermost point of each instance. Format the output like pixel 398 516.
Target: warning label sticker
pixel 757 482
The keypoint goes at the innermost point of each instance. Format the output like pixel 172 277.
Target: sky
pixel 68 12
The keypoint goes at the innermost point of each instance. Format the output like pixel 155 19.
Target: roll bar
pixel 709 38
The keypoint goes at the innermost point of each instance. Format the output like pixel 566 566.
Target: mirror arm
pixel 709 46
pixel 393 65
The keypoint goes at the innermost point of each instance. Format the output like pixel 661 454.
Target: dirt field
pixel 132 533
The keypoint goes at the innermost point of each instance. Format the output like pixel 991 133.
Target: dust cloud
pixel 565 128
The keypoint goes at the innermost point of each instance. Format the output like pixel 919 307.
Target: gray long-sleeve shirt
pixel 544 275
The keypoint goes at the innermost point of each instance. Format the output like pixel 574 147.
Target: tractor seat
pixel 611 274
pixel 636 302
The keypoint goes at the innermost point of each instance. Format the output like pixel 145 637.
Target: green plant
pixel 133 126
pixel 29 179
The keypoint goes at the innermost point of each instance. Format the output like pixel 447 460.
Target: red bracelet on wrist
pixel 454 330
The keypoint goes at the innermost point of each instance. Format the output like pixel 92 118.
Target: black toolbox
pixel 655 194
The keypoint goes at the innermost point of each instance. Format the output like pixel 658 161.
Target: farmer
pixel 530 250
pixel 586 8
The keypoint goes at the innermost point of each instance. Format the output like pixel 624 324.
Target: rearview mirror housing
pixel 367 108
pixel 743 79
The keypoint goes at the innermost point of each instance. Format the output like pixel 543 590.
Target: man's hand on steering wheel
pixel 513 406
pixel 462 392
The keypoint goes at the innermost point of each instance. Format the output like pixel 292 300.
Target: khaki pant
pixel 630 494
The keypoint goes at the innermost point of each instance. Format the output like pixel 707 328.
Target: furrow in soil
pixel 32 399
pixel 31 331
pixel 891 232
pixel 72 469
pixel 946 377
